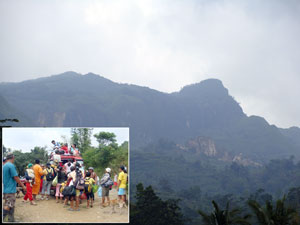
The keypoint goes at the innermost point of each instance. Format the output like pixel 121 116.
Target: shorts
pixel 115 184
pixel 105 191
pixel 10 200
pixel 121 191
pixel 89 195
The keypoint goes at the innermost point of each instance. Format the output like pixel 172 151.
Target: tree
pixel 261 196
pixel 268 215
pixel 149 209
pixel 224 217
pixel 23 159
pixel 105 138
pixel 9 120
pixel 293 198
pixel 82 138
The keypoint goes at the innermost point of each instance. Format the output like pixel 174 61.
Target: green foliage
pixel 149 209
pixel 82 138
pixel 293 198
pixel 105 138
pixel 224 217
pixel 107 154
pixel 270 215
pixel 23 159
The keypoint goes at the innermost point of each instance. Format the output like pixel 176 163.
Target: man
pixel 88 183
pixel 122 180
pixel 4 161
pixel 47 181
pixel 38 172
pixel 56 145
pixel 10 178
pixel 67 166
pixel 105 188
pixel 57 157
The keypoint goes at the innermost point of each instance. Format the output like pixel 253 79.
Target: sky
pixel 25 139
pixel 252 46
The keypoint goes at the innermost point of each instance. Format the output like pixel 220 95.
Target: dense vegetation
pixel 148 208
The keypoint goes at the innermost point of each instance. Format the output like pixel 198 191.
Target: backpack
pixel 87 185
pixel 69 191
pixel 63 185
pixel 80 183
pixel 50 175
pixel 108 183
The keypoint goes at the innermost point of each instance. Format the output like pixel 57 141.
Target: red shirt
pixel 65 148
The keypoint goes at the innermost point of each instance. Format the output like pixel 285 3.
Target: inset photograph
pixel 65 175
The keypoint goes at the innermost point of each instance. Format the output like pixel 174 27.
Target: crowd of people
pixel 72 184
pixel 63 149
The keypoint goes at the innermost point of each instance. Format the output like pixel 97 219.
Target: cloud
pixel 252 46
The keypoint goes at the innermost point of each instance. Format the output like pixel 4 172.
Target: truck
pixel 64 159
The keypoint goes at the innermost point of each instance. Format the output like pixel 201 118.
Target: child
pixel 116 181
pixel 29 174
pixel 88 182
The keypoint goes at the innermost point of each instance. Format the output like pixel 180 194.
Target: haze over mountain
pixel 203 109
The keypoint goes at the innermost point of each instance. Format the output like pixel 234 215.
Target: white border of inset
pixel 129 167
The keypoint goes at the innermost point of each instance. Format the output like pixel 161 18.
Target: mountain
pixel 9 112
pixel 293 133
pixel 204 109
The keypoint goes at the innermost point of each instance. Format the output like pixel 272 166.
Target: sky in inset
pixel 26 139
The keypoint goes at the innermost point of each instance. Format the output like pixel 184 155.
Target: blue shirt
pixel 9 183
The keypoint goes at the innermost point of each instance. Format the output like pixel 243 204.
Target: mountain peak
pixel 205 87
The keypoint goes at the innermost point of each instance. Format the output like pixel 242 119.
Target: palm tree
pixel 224 217
pixel 280 215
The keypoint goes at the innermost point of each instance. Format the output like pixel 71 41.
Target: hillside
pixel 204 109
pixel 9 112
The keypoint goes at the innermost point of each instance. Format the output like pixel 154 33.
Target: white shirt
pixel 57 158
pixel 68 168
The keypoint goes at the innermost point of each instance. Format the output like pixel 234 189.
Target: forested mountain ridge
pixel 204 109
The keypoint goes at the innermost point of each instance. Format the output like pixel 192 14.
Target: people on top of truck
pixel 74 151
pixel 65 148
pixel 56 145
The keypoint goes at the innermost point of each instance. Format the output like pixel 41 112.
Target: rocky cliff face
pixel 206 146
pixel 202 145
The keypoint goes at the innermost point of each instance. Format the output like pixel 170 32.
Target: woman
pixel 74 150
pixel 116 181
pixel 95 177
pixel 61 178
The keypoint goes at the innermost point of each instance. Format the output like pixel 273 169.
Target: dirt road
pixel 50 211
